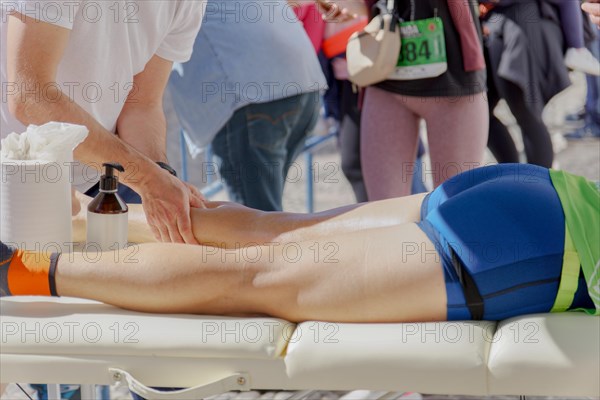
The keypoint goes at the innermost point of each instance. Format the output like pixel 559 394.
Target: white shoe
pixel 582 60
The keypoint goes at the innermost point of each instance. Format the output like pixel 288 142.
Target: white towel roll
pixel 35 205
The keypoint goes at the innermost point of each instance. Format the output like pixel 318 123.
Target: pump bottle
pixel 107 214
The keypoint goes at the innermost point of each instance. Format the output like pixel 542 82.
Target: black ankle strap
pixel 52 273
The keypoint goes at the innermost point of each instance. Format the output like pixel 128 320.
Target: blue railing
pixel 310 144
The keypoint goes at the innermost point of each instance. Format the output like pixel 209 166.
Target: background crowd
pixel 523 53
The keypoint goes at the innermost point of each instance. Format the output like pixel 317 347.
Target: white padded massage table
pixel 62 340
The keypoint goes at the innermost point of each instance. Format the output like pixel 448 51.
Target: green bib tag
pixel 423 53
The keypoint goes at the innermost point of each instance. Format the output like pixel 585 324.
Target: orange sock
pixel 27 273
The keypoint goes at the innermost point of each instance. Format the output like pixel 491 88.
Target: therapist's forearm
pixel 100 146
pixel 143 127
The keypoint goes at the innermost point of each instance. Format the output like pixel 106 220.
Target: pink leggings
pixel 457 130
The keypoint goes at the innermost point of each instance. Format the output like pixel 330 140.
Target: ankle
pixel 25 272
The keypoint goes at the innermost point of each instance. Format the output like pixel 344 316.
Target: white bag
pixel 372 53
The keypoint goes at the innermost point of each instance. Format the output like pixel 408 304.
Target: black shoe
pixel 575 117
pixel 591 130
pixel 6 253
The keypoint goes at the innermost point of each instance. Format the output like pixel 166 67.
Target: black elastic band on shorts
pixel 52 273
pixel 473 298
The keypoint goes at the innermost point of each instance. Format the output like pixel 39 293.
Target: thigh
pixel 350 131
pixel 536 137
pixel 389 274
pixel 310 106
pixel 389 137
pixel 252 150
pixel 230 149
pixel 457 129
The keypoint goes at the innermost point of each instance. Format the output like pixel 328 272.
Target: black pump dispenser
pixel 109 182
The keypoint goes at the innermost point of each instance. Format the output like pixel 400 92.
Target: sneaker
pixel 582 60
pixel 589 131
pixel 6 253
pixel 575 117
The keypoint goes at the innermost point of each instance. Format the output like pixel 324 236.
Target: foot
pixel 31 273
pixel 575 117
pixel 589 131
pixel 6 254
pixel 582 60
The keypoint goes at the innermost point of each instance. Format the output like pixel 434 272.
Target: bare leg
pixel 231 225
pixel 457 129
pixel 389 140
pixel 369 276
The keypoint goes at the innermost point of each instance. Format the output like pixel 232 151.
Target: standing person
pixel 524 47
pixel 253 85
pixel 453 104
pixel 577 56
pixel 591 113
pixel 336 37
pixel 103 65
pixel 337 34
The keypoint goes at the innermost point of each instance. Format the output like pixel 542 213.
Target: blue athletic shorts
pixel 500 232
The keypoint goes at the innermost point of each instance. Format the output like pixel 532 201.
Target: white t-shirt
pixel 110 42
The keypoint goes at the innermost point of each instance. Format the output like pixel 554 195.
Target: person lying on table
pixel 491 243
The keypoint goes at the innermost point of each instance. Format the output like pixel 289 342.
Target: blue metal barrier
pixel 184 156
pixel 309 145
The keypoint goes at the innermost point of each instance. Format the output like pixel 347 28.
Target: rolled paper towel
pixel 35 195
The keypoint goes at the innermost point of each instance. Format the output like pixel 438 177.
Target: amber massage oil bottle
pixel 107 214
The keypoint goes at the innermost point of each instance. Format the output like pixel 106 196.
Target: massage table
pixel 64 340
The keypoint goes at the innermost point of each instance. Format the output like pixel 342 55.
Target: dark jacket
pixel 526 47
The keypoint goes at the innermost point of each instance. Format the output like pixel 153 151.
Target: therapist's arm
pixel 142 122
pixel 142 125
pixel 34 52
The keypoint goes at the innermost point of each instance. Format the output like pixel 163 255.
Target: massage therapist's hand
pixel 167 202
pixel 592 7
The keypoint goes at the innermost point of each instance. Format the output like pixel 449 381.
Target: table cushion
pixel 436 358
pixel 67 326
pixel 546 355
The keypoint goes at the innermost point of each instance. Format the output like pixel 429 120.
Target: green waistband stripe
pixel 580 200
pixel 569 278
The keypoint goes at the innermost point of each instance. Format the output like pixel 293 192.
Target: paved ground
pixel 331 190
pixel 13 393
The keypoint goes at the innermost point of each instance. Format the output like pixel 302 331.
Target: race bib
pixel 423 53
